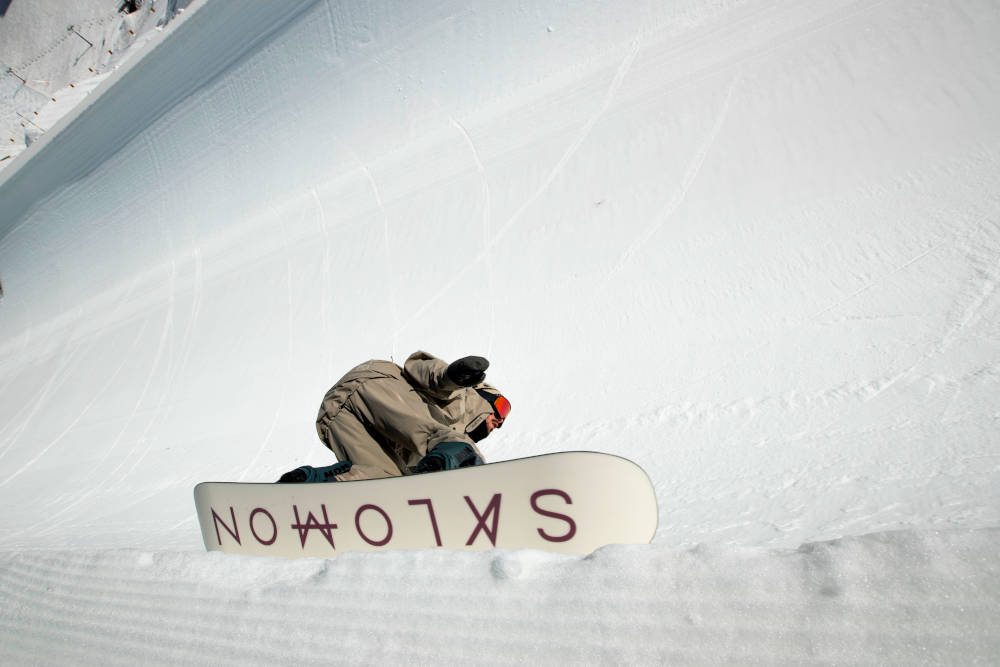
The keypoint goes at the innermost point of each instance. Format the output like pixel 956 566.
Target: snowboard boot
pixel 311 474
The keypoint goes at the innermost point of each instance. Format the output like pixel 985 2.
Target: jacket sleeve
pixel 427 372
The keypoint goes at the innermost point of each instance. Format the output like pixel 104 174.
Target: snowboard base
pixel 570 502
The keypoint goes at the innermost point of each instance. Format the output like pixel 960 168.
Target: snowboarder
pixel 381 420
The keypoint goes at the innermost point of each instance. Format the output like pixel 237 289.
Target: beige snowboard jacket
pixel 384 418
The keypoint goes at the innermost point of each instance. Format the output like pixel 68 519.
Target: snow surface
pixel 752 245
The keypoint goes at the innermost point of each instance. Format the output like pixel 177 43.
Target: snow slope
pixel 752 245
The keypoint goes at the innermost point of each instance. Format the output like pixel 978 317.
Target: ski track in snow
pixel 487 232
pixel 546 183
pixel 326 276
pixel 690 176
pixel 289 354
pixel 63 376
pixel 390 281
pixel 827 20
pixel 106 472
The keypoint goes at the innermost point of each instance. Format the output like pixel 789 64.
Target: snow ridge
pixel 896 598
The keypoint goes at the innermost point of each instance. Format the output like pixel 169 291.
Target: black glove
pixel 468 371
pixel 311 474
pixel 448 456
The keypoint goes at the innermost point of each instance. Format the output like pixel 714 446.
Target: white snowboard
pixel 571 502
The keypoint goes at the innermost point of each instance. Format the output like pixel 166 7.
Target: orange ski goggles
pixel 501 406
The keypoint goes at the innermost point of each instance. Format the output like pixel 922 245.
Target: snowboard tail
pixel 570 502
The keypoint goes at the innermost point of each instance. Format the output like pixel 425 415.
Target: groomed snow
pixel 752 245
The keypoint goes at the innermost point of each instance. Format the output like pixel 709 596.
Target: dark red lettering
pixel 388 525
pixel 235 531
pixel 430 510
pixel 494 509
pixel 274 526
pixel 326 528
pixel 554 515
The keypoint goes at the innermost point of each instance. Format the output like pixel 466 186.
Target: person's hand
pixel 468 371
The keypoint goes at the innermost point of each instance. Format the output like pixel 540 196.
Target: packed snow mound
pixel 753 246
pixel 892 598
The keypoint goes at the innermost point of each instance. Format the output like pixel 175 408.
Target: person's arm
pixel 440 379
